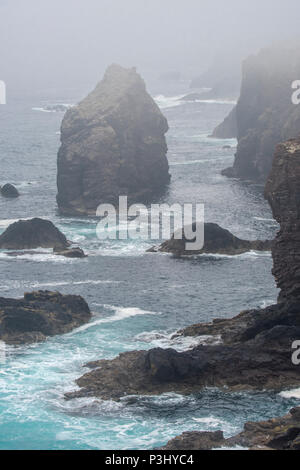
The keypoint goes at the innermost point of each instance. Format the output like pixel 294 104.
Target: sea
pixel 138 299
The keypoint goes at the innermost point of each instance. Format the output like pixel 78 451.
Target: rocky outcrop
pixel 283 193
pixel 228 129
pixel 9 191
pixel 216 241
pixel 112 143
pixel 40 314
pixel 275 434
pixel 74 252
pixel 31 234
pixel 265 113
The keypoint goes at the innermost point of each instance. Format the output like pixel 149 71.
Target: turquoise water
pixel 138 300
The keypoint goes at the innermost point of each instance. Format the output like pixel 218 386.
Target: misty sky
pixel 44 43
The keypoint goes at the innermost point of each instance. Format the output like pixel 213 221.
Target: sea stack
pixel 264 115
pixel 112 144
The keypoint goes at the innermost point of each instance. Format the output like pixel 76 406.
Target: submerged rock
pixel 112 144
pixel 9 191
pixel 275 434
pixel 265 114
pixel 31 234
pixel 40 314
pixel 216 241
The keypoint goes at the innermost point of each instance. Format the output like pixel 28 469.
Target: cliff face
pixel 283 193
pixel 265 114
pixel 112 143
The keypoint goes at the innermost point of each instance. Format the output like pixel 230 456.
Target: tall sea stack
pixel 113 143
pixel 264 115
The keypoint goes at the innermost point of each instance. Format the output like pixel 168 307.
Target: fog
pixel 54 43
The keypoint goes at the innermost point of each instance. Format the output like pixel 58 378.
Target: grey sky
pixel 48 42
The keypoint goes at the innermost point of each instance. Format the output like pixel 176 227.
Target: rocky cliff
pixel 112 143
pixel 265 114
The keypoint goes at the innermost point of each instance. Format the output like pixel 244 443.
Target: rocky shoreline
pixel 256 348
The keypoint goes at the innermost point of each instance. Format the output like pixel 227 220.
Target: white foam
pixel 295 393
pixel 179 343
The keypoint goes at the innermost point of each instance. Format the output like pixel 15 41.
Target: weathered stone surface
pixel 31 234
pixel 40 314
pixel 113 143
pixel 265 113
pixel 75 252
pixel 228 129
pixel 283 193
pixel 216 241
pixel 9 191
pixel 276 434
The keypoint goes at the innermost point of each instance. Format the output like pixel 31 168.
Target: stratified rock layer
pixel 113 143
pixel 283 193
pixel 40 314
pixel 265 114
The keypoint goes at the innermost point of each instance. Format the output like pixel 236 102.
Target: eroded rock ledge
pixel 40 314
pixel 264 115
pixel 275 434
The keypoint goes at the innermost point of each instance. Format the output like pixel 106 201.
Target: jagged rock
pixel 40 314
pixel 228 129
pixel 113 143
pixel 75 252
pixel 283 193
pixel 275 434
pixel 9 191
pixel 216 240
pixel 31 234
pixel 265 114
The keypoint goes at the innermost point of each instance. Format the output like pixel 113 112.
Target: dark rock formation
pixel 265 114
pixel 113 143
pixel 228 129
pixel 40 314
pixel 31 234
pixel 75 252
pixel 283 193
pixel 216 240
pixel 275 434
pixel 9 191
